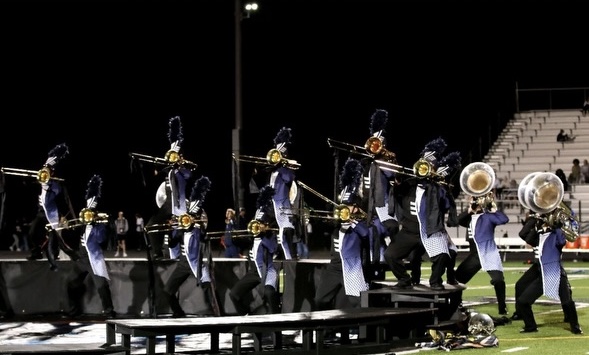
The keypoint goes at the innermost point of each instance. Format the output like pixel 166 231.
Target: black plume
pixel 437 145
pixel 283 136
pixel 351 174
pixel 175 131
pixel 452 161
pixel 94 187
pixel 378 121
pixel 59 151
pixel 265 197
pixel 200 189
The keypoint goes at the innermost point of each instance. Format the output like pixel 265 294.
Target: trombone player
pixel 420 205
pixel 171 194
pixel 282 180
pixel 40 237
pixel 376 187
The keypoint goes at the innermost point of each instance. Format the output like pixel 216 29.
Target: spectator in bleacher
pixel 585 108
pixel 585 172
pixel 481 219
pixel 575 174
pixel 561 175
pixel 564 137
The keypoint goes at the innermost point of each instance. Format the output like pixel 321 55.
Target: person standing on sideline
pixel 481 218
pixel 585 108
pixel 231 250
pixel 546 276
pixel 139 231
pixel 17 235
pixel 122 225
pixel 91 260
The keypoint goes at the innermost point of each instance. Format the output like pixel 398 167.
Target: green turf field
pixel 553 336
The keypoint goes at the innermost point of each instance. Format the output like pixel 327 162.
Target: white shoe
pixel 117 254
pixel 125 255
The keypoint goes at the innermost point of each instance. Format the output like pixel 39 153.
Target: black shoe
pixel 452 282
pixel 576 329
pixel 110 314
pixel 35 256
pixel 74 313
pixel 6 314
pixel 503 312
pixel 402 286
pixel 528 330
pixel 516 316
pixel 179 314
pixel 437 287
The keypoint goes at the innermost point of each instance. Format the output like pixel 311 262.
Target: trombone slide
pixel 27 173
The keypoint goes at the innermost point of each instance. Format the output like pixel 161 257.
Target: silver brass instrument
pixel 86 216
pixel 341 211
pixel 373 148
pixel 171 157
pixel 543 193
pixel 273 157
pixel 43 175
pixel 477 179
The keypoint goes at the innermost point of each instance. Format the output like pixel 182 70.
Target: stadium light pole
pixel 241 12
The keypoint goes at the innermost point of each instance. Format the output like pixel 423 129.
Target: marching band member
pixel 188 245
pixel 546 276
pixel 261 268
pixel 91 257
pixel 282 180
pixel 420 204
pixel 376 186
pixel 43 235
pixel 171 195
pixel 346 268
pixel 481 218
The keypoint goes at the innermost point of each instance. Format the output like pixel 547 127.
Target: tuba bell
pixel 543 193
pixel 477 179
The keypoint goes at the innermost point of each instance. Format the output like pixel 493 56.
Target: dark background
pixel 105 78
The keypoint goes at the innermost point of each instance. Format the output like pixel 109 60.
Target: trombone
pixel 43 175
pixel 184 222
pixel 274 157
pixel 422 169
pixel 86 216
pixel 373 148
pixel 254 227
pixel 171 157
pixel 341 211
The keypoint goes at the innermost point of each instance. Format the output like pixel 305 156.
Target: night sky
pixel 105 78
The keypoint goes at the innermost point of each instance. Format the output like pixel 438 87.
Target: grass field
pixel 553 336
